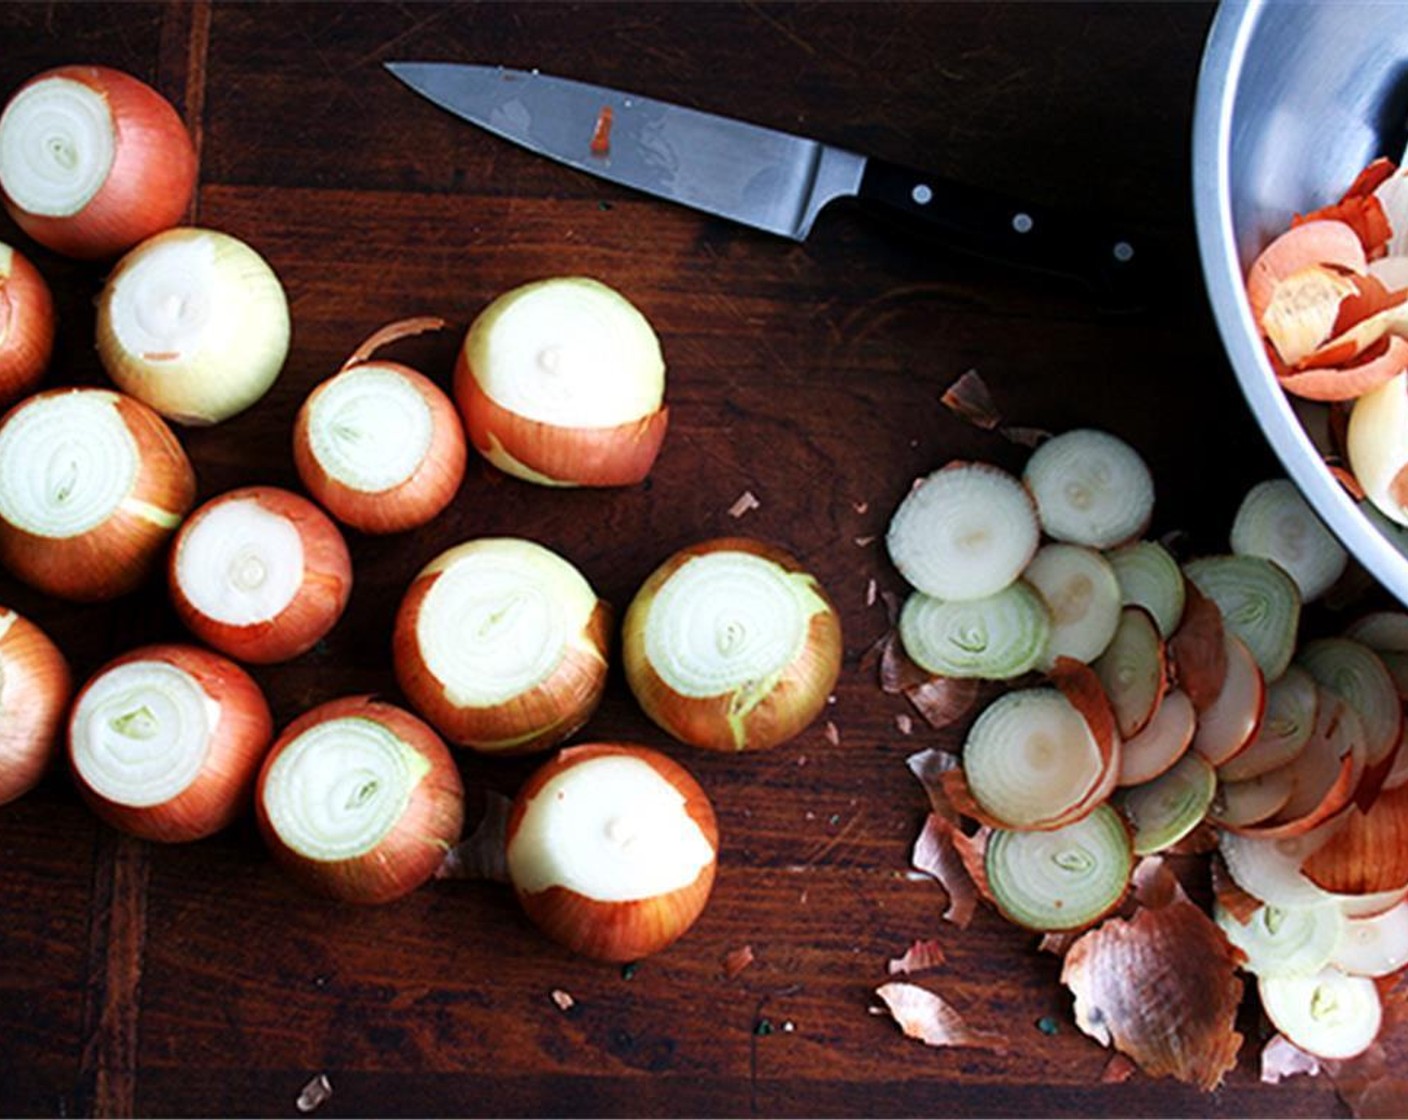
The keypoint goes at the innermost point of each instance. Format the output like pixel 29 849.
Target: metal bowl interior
pixel 1293 100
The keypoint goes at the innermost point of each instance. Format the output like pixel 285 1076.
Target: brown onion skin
pixel 221 792
pixel 621 455
pixel 416 845
pixel 539 719
pixel 150 184
pixel 117 556
pixel 314 610
pixel 413 502
pixel 618 931
pixel 35 689
pixel 26 329
pixel 704 721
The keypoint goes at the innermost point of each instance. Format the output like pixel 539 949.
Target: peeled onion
pixel 35 688
pixel 612 850
pixel 359 800
pixel 1377 447
pixel 92 484
pixel 165 741
pixel 26 325
pixel 260 574
pixel 731 644
pixel 561 382
pixel 195 324
pixel 93 160
pixel 379 445
pixel 501 644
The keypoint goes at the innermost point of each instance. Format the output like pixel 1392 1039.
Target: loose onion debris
pixel 1203 726
pixel 929 1018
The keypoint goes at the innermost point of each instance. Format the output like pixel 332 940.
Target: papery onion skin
pixel 150 183
pixel 408 504
pixel 314 609
pixel 535 720
pixel 35 688
pixel 115 557
pixel 796 696
pixel 417 843
pixel 221 791
pixel 619 931
pixel 26 326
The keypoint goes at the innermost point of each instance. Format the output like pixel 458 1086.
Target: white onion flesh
pixel 370 428
pixel 1091 488
pixel 1150 577
pixel 965 532
pixel 338 789
pixel 612 829
pixel 1165 810
pixel 1269 870
pixel 1330 1015
pixel 1375 946
pixel 1081 590
pixel 1357 675
pixel 141 733
pixel 1290 941
pixel 1275 522
pixel 1377 444
pixel 1162 741
pixel 57 145
pixel 995 638
pixel 1252 800
pixel 1228 724
pixel 1259 603
pixel 240 563
pixel 1287 724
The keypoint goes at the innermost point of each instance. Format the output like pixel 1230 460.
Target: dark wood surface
pixel 139 979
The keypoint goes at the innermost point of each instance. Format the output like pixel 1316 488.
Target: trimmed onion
pixel 93 160
pixel 92 484
pixel 35 687
pixel 166 740
pixel 26 326
pixel 561 382
pixel 379 445
pixel 259 573
pixel 502 645
pixel 732 645
pixel 359 800
pixel 612 850
pixel 195 324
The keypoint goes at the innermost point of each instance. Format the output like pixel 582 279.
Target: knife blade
pixel 761 177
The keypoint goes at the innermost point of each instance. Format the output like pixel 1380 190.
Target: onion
pixel 1082 592
pixel 93 161
pixel 1150 578
pixel 1329 1014
pixel 194 323
pixel 501 644
pixel 35 687
pixel 561 382
pixel 379 445
pixel 92 483
pixel 260 574
pixel 731 644
pixel 1377 447
pixel 612 850
pixel 166 740
pixel 998 637
pixel 1091 488
pixel 26 325
pixel 1259 603
pixel 359 800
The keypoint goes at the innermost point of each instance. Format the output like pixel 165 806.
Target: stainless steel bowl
pixel 1293 100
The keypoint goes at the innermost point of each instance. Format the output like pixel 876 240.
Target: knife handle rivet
pixel 1022 222
pixel 1124 251
pixel 922 195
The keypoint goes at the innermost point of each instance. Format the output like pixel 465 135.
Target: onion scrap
pixel 923 1015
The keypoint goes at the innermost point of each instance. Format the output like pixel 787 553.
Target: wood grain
pixel 195 980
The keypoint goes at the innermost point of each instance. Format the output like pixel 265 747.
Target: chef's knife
pixel 761 177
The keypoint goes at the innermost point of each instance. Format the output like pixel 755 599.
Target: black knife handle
pixel 1007 230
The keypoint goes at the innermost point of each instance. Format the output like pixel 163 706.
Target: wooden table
pixel 197 980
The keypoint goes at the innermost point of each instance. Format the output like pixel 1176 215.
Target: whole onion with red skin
pixel 93 160
pixel 260 573
pixel 165 741
pixel 35 688
pixel 612 850
pixel 92 485
pixel 26 326
pixel 732 645
pixel 360 800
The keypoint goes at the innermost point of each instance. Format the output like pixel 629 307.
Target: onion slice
pixel 35 687
pixel 612 850
pixel 1163 811
pixel 1150 577
pixel 501 644
pixel 1285 941
pixel 1091 488
pixel 1253 800
pixel 1161 743
pixel 1259 603
pixel 260 573
pixel 1356 674
pixel 731 644
pixel 26 326
pixel 195 324
pixel 1229 724
pixel 1292 704
pixel 1375 946
pixel 997 637
pixel 165 742
pixel 92 161
pixel 1330 1014
pixel 1083 595
pixel 92 485
pixel 1275 521
pixel 561 382
pixel 1133 672
pixel 1198 650
pixel 359 800
pixel 964 532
